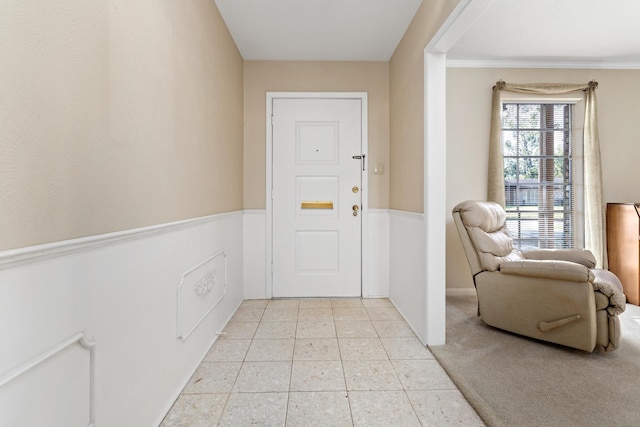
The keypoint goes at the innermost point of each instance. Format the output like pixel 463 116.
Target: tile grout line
pixel 344 374
pixel 293 351
pixel 226 404
pixel 393 366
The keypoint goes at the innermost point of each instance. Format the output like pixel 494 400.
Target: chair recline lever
pixel 548 326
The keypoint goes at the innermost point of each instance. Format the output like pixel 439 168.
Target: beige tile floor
pixel 319 362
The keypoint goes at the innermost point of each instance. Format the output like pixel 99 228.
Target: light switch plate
pixel 378 168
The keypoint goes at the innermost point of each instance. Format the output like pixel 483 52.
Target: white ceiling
pixel 588 33
pixel 340 30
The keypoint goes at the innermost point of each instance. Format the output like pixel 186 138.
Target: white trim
pixel 365 290
pixel 577 144
pixel 435 162
pixel 408 322
pixel 457 23
pixel 435 195
pixel 461 292
pixel 86 343
pixel 407 214
pixel 363 97
pixel 254 211
pixel 14 257
pixel 509 63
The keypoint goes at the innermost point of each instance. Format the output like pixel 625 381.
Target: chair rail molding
pixel 15 257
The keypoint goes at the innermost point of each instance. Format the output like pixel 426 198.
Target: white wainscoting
pixel 255 256
pixel 255 263
pixel 377 253
pixel 130 296
pixel 407 269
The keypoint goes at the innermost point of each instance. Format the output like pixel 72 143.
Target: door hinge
pixel 272 120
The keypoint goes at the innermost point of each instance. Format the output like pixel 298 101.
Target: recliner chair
pixel 551 295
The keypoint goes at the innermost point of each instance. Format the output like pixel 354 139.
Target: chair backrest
pixel 484 235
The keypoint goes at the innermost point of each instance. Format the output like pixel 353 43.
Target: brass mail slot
pixel 317 205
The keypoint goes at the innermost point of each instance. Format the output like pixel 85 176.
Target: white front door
pixel 317 197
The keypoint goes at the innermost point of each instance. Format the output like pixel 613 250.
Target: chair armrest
pixel 580 256
pixel 548 269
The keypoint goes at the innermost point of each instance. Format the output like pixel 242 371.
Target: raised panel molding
pixel 84 342
pixel 317 252
pixel 202 287
pixel 320 146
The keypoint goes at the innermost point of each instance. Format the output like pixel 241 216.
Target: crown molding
pixel 505 63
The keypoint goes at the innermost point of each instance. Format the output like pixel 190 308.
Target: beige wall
pixel 115 115
pixel 406 89
pixel 261 77
pixel 468 114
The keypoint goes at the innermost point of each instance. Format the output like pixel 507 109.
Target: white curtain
pixel 593 206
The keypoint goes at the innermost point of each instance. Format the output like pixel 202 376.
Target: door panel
pixel 317 143
pixel 317 252
pixel 316 236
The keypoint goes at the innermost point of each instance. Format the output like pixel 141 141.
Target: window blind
pixel 538 174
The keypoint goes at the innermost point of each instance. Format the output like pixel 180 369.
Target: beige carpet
pixel 516 381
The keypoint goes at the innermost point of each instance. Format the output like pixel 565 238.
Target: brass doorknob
pixel 356 208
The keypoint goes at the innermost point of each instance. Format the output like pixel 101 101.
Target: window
pixel 539 174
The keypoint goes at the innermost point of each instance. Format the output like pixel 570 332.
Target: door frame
pixel 363 97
